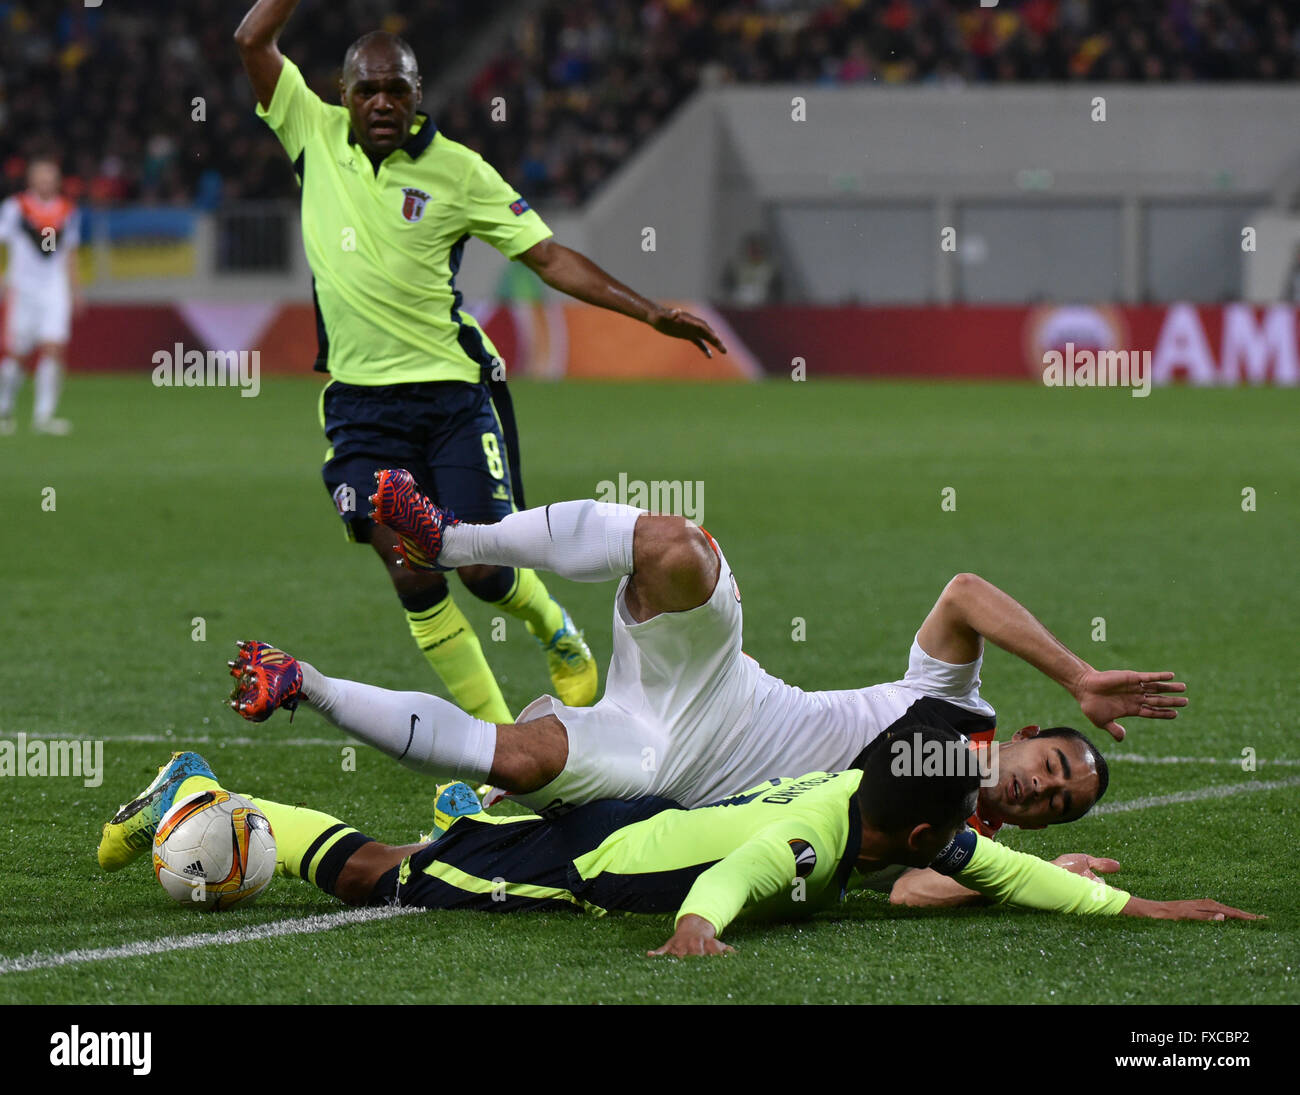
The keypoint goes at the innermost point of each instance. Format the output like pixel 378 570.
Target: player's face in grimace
pixel 1041 781
pixel 382 93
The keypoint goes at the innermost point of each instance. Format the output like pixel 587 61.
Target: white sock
pixel 11 379
pixel 48 379
pixel 420 731
pixel 586 540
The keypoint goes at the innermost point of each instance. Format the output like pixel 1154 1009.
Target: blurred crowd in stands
pixel 146 101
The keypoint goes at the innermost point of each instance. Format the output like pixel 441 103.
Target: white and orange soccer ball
pixel 214 849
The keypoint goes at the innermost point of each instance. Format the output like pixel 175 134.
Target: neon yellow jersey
pixel 783 849
pixel 385 246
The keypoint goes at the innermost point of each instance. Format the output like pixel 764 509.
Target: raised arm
pixel 256 38
pixel 970 610
pixel 573 273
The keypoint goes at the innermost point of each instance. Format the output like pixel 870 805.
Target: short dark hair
pixel 1098 761
pixel 892 801
pixel 375 36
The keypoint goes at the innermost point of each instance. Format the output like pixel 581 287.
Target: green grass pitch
pixel 176 504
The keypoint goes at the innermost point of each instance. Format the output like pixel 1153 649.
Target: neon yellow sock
pixel 298 835
pixel 529 601
pixel 451 647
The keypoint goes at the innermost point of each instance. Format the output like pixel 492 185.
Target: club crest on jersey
pixel 805 858
pixel 413 203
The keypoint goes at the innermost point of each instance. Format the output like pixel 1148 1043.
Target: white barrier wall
pixel 1140 195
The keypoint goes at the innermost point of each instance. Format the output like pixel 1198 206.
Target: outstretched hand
pixel 1086 865
pixel 694 936
pixel 1195 909
pixel 1120 693
pixel 676 323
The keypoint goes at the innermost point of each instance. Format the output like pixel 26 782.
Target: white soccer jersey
pixel 830 729
pixel 688 716
pixel 41 236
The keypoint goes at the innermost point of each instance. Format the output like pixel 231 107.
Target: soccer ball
pixel 214 849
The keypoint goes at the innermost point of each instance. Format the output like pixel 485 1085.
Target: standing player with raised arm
pixel 388 204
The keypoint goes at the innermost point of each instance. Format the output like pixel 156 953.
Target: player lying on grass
pixel 781 850
pixel 686 715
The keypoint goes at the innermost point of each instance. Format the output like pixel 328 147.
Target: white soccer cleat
pixel 55 427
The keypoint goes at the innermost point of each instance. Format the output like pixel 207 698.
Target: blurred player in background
pixel 388 204
pixel 40 230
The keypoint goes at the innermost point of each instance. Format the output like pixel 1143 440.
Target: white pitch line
pixel 1225 790
pixel 179 741
pixel 1260 762
pixel 302 925
pixel 223 739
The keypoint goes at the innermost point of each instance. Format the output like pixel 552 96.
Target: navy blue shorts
pixel 529 865
pixel 457 439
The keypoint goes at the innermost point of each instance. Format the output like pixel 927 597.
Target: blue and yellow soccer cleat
pixel 399 505
pixel 571 665
pixel 131 831
pixel 266 679
pixel 454 801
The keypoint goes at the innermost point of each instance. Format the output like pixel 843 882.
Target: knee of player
pixel 529 755
pixel 410 582
pixel 674 549
pixel 964 580
pixel 479 574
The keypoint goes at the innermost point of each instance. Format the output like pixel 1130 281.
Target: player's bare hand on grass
pixel 1196 908
pixel 1086 865
pixel 677 323
pixel 1120 693
pixel 694 936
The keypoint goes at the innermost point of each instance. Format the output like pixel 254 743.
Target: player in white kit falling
pixel 40 229
pixel 686 714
